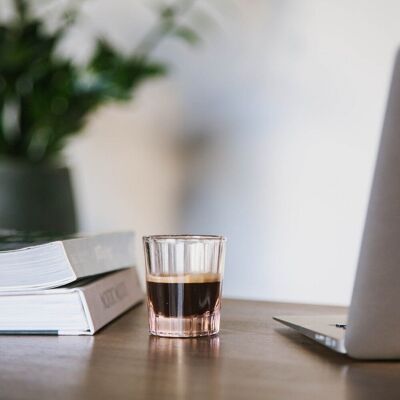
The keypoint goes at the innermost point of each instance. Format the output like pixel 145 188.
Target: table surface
pixel 252 358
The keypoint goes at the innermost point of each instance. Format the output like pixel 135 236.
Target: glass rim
pixel 183 237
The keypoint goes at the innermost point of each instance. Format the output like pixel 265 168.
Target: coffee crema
pixel 184 295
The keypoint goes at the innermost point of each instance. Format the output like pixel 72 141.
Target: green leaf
pixel 187 34
pixel 167 12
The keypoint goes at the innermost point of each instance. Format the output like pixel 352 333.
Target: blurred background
pixel 266 132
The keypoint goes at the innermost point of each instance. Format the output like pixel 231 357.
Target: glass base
pixel 199 325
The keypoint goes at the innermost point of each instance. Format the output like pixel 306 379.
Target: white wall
pixel 267 134
pixel 126 167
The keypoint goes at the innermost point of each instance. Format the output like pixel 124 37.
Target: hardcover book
pixel 34 263
pixel 80 308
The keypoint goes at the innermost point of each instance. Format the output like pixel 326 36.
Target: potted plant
pixel 45 98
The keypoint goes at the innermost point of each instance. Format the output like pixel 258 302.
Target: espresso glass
pixel 184 284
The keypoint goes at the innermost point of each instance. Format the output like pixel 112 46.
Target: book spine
pixel 101 253
pixel 109 297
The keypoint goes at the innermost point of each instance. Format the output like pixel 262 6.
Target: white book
pixel 81 308
pixel 59 262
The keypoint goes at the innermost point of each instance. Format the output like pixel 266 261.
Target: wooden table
pixel 252 358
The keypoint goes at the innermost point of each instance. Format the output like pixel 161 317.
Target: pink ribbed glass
pixel 184 284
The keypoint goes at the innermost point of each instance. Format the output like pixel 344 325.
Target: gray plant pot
pixel 36 198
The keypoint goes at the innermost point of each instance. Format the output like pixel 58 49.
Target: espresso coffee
pixel 184 295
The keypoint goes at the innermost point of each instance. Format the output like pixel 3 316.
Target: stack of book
pixel 66 287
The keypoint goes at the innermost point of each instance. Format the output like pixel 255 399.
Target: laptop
pixel 371 330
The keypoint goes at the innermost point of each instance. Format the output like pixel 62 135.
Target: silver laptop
pixel 371 330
